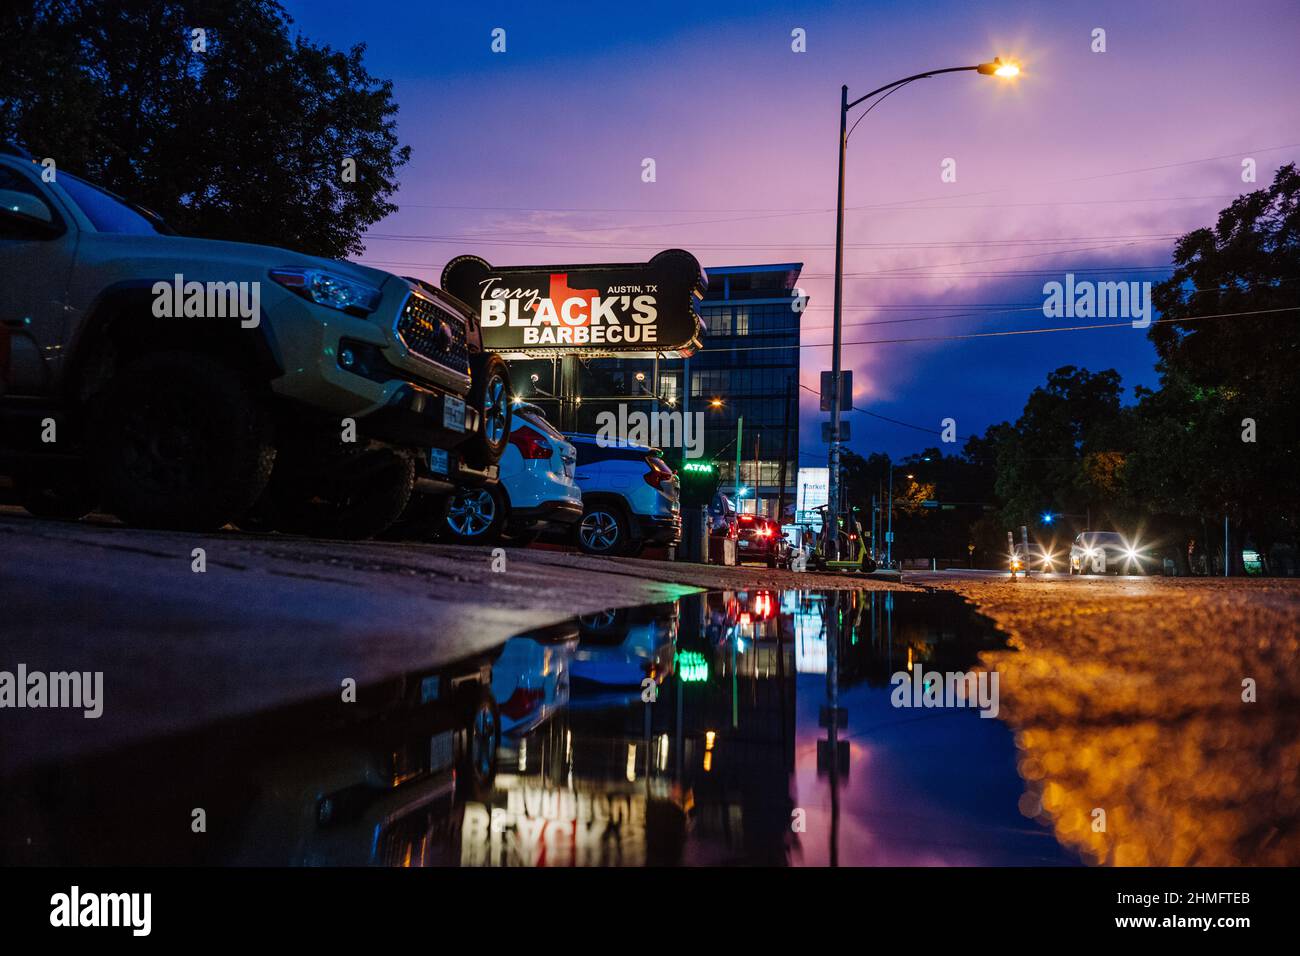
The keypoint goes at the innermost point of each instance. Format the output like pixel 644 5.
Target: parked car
pixel 1099 552
pixel 723 520
pixel 536 490
pixel 760 539
pixel 187 380
pixel 630 497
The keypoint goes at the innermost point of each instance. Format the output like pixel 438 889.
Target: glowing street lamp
pixel 1004 69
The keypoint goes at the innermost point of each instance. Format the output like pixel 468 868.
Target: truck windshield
pixel 107 212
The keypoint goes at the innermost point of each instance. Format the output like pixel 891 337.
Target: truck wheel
pixel 360 499
pixel 181 442
pixel 490 394
pixel 475 516
pixel 56 492
pixel 423 520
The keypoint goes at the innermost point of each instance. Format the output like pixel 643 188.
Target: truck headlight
pixel 329 289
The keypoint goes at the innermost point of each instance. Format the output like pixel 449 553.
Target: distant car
pixel 536 490
pixel 630 497
pixel 1100 552
pixel 723 520
pixel 1040 557
pixel 761 540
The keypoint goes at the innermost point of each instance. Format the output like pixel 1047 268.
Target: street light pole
pixel 995 68
pixel 889 535
pixel 833 492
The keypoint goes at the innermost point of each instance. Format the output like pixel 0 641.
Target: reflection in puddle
pixel 723 728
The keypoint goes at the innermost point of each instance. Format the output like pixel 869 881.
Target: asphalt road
pixel 1127 696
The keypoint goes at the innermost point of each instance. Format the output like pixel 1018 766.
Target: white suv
pixel 630 497
pixel 536 492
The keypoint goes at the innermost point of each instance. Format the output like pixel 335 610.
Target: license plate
pixel 439 463
pixel 453 414
pixel 744 544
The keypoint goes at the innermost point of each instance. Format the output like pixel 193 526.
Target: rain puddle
pixel 729 727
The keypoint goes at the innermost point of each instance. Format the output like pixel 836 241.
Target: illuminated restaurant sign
pixel 540 825
pixel 627 309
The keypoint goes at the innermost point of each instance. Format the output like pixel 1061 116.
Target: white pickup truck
pixel 186 383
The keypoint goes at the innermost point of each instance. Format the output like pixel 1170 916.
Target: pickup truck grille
pixel 434 334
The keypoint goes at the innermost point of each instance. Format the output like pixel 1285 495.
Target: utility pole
pixel 837 336
pixel 1227 560
pixel 740 427
pixel 889 535
pixel 785 453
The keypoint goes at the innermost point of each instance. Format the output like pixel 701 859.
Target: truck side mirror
pixel 28 213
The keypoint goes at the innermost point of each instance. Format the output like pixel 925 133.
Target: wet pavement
pixel 1158 719
pixel 1123 734
pixel 275 620
pixel 728 727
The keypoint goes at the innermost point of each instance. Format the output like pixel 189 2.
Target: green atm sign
pixel 698 467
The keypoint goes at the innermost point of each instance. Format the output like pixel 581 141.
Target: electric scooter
pixel 856 559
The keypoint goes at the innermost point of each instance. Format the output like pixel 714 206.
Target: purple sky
pixel 1089 160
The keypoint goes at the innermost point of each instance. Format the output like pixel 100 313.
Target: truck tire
pixel 490 395
pixel 358 500
pixel 62 492
pixel 424 518
pixel 181 442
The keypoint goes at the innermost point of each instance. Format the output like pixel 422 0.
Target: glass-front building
pixel 748 368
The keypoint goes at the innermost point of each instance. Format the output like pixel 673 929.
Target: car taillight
pixel 530 444
pixel 659 471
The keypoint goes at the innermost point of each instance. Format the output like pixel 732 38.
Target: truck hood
pixel 190 251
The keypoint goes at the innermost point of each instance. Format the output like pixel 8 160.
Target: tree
pixel 1224 380
pixel 242 134
pixel 1066 452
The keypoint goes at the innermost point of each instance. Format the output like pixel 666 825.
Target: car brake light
pixel 659 471
pixel 530 444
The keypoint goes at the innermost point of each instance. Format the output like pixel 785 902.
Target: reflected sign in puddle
pixel 731 727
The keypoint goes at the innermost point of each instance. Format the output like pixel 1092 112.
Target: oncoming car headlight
pixel 329 289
